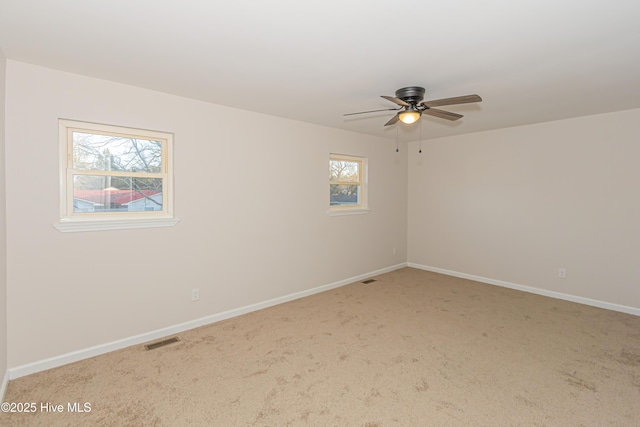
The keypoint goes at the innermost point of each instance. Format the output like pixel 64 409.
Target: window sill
pixel 348 212
pixel 79 226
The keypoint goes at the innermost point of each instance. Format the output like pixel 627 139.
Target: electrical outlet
pixel 562 273
pixel 195 294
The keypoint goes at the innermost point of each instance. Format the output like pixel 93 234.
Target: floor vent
pixel 162 343
pixel 368 281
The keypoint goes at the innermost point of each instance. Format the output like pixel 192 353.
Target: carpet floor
pixel 412 348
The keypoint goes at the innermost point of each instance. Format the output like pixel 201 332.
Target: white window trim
pixel 78 226
pixel 70 222
pixel 346 211
pixel 362 208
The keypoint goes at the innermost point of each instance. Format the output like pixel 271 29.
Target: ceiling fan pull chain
pixel 397 150
pixel 420 151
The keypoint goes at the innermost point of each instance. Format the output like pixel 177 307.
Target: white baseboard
pixel 53 362
pixel 558 295
pixel 3 386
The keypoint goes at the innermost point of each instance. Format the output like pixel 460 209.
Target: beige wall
pixel 511 205
pixel 517 204
pixel 3 235
pixel 251 193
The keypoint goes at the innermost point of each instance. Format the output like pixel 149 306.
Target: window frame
pixel 363 182
pixel 71 221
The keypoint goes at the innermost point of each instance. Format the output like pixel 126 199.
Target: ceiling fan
pixel 412 106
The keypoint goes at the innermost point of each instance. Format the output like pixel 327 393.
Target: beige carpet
pixel 412 349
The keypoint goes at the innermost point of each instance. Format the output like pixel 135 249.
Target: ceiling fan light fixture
pixel 411 106
pixel 409 116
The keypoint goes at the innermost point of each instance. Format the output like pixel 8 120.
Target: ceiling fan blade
pixel 442 114
pixel 372 111
pixel 453 101
pixel 393 120
pixel 395 100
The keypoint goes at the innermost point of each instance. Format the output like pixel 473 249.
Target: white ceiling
pixel 313 61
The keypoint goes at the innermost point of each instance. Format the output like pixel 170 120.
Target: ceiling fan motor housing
pixel 411 95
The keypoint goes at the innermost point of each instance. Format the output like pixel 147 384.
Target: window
pixel 113 177
pixel 347 183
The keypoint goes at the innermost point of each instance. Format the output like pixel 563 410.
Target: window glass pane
pixel 93 193
pixel 344 171
pixel 117 153
pixel 344 195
